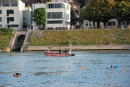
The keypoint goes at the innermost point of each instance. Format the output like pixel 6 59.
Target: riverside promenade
pixel 77 48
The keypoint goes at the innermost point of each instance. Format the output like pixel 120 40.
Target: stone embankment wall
pixel 76 48
pixel 7 49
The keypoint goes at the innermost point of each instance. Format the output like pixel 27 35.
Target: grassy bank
pixel 81 37
pixel 5 36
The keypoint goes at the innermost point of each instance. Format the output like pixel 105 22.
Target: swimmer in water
pixel 112 66
pixel 83 67
pixel 17 74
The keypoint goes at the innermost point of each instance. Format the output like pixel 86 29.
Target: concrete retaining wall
pixel 88 47
pixel 5 50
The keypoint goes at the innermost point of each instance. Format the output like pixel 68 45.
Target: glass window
pixel 0 11
pixel 54 6
pixel 5 4
pixel 14 4
pixel 10 19
pixel 0 19
pixel 10 12
pixel 14 25
pixel 54 15
pixel 54 22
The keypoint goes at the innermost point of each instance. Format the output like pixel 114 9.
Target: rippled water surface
pixel 38 70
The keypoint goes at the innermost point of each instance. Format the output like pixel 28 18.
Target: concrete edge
pixel 76 48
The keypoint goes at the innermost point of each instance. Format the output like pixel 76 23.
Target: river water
pixel 38 70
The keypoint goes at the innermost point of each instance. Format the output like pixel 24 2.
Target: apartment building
pixel 11 14
pixel 14 14
pixel 58 15
pixel 73 3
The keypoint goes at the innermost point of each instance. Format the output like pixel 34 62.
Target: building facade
pixel 57 13
pixel 11 14
pixel 73 3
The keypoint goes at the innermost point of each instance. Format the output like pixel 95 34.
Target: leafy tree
pixel 73 16
pixel 98 10
pixel 40 17
pixel 47 1
pixel 121 11
pixel 82 2
pixel 122 0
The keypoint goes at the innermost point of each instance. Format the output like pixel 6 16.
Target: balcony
pixel 9 3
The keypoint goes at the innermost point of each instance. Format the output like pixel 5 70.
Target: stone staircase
pixel 26 41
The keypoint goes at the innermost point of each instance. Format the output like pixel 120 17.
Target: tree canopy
pixel 121 10
pixel 47 1
pixel 104 10
pixel 73 16
pixel 40 17
pixel 98 10
pixel 82 3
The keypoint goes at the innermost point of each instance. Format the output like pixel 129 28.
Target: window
pixel 14 4
pixel 14 25
pixel 52 15
pixel 10 19
pixel 54 22
pixel 0 19
pixel 0 11
pixel 54 5
pixel 5 3
pixel 10 12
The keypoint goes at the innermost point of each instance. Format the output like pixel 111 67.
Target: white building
pixel 58 15
pixel 11 14
pixel 14 14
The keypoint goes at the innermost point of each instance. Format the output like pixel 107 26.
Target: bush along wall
pixel 5 37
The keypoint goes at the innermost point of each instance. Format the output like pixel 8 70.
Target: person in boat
pixel 60 51
pixel 66 51
pixel 70 51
